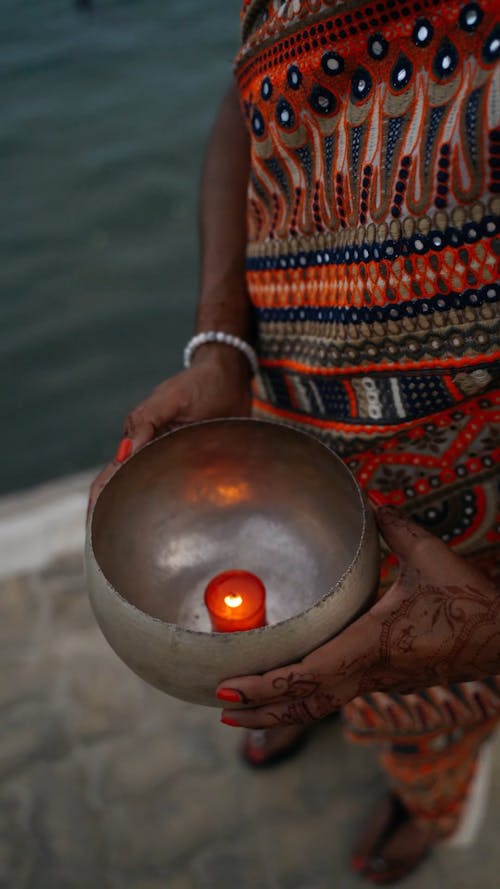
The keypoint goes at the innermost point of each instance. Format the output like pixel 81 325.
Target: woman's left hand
pixel 439 622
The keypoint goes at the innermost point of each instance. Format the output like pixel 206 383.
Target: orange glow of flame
pixel 227 493
pixel 236 600
pixel 233 601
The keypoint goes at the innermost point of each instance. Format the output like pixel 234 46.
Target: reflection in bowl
pixel 227 494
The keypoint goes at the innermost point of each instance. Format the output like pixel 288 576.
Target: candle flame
pixel 233 601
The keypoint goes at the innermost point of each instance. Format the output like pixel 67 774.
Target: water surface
pixel 105 113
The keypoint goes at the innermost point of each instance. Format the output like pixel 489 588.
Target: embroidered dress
pixel 372 266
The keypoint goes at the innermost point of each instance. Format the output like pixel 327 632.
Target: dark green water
pixel 104 117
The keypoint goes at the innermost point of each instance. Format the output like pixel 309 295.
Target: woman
pixel 349 209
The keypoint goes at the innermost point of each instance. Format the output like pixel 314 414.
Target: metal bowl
pixel 225 494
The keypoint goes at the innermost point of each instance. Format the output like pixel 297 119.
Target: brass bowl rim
pixel 257 630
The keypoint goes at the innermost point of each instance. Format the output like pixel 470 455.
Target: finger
pixel 409 541
pixel 399 531
pixel 144 433
pixel 341 660
pixel 294 713
pixel 420 552
pixel 142 425
pixel 148 419
pixel 291 712
pixel 276 685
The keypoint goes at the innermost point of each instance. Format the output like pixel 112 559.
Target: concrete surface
pixel 107 783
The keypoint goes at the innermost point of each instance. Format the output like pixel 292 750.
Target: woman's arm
pixel 223 301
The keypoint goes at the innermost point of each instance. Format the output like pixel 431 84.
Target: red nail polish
pixel 229 695
pixel 376 498
pixel 228 721
pixel 124 450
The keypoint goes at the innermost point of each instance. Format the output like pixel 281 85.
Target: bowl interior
pixel 225 494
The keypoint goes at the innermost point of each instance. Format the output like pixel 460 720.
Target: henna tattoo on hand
pixel 297 713
pixel 393 518
pixel 296 685
pixel 421 633
pixel 437 634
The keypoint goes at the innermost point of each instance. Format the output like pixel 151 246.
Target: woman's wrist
pixel 222 358
pixel 221 338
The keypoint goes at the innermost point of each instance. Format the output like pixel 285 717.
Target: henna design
pixel 442 627
pixel 326 703
pixel 423 633
pixel 296 685
pixel 295 714
pixel 390 517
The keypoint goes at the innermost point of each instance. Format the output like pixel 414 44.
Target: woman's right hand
pixel 216 385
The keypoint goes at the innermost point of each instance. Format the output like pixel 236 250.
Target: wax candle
pixel 236 600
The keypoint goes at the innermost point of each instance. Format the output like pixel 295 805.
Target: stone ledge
pixel 43 523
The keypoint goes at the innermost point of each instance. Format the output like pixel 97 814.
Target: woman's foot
pixel 265 747
pixel 392 846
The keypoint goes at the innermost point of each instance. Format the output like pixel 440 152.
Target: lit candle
pixel 236 600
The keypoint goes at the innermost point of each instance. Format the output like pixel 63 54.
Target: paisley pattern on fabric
pixel 372 266
pixel 372 260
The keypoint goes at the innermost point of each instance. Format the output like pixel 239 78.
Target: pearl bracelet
pixel 227 339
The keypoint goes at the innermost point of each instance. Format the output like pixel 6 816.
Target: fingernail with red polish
pixel 229 695
pixel 124 450
pixel 228 721
pixel 376 498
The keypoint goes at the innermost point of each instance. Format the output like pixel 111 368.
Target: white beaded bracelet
pixel 227 339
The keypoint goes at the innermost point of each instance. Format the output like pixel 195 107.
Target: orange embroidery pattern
pixel 373 216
